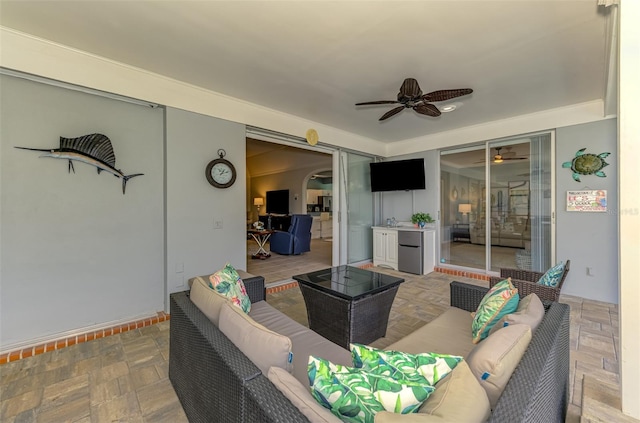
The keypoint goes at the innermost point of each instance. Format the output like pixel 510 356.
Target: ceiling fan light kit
pixel 411 97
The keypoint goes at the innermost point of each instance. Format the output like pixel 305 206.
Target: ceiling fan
pixel 410 96
pixel 509 155
pixel 500 157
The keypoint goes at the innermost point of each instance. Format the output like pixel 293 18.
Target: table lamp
pixel 465 209
pixel 258 201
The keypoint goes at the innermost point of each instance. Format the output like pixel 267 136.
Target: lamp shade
pixel 464 208
pixel 258 201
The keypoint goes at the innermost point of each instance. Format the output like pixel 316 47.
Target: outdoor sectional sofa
pixel 216 382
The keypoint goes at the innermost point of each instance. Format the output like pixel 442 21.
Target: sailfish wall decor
pixel 94 149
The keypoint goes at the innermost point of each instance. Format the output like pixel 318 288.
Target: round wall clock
pixel 220 172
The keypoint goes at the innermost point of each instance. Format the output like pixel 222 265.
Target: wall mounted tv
pixel 278 202
pixel 398 175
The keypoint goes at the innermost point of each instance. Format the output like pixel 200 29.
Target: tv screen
pixel 399 175
pixel 278 202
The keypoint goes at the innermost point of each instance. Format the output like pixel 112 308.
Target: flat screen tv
pixel 398 175
pixel 278 202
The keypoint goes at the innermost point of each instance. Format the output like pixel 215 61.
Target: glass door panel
pixel 357 212
pixel 462 175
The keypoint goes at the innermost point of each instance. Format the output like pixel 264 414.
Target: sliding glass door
pixel 356 208
pixel 496 205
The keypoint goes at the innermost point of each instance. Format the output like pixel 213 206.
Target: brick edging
pixel 78 339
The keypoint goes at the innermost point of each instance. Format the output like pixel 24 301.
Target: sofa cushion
pixel 261 345
pixel 530 312
pixel 449 333
pixel 458 398
pixel 500 300
pixel 304 341
pixel 552 276
pixel 356 395
pixel 424 367
pixel 228 283
pixel 207 299
pixel 300 396
pixel 494 359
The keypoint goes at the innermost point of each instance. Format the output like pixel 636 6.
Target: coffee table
pixel 347 304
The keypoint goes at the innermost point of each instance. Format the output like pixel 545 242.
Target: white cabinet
pixel 385 247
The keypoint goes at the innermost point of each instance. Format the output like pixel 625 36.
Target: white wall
pixel 76 252
pixel 588 239
pixel 194 247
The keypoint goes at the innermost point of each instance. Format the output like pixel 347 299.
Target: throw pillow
pixel 208 300
pixel 530 312
pixel 228 283
pixel 457 398
pixel 261 345
pixel 552 276
pixel 300 396
pixel 494 359
pixel 420 368
pixel 502 299
pixel 355 395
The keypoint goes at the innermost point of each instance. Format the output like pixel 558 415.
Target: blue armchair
pixel 296 240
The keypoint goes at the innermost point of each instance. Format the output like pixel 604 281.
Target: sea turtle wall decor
pixel 587 164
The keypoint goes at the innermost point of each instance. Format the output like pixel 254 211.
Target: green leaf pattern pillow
pixel 552 276
pixel 227 282
pixel 426 368
pixel 499 301
pixel 355 395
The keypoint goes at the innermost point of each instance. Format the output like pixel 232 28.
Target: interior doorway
pixel 299 174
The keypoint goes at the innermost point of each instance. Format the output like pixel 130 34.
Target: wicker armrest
pixel 525 288
pixel 466 296
pixel 255 288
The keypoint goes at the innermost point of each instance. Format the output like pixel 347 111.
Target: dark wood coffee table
pixel 346 304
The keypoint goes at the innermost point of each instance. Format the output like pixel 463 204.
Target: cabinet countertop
pixel 404 228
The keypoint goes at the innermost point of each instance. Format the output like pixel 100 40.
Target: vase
pixel 421 224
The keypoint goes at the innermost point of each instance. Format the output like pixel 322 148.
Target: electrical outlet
pixel 590 271
pixel 179 280
pixel 217 223
pixel 179 267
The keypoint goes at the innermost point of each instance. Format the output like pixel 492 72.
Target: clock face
pixel 220 173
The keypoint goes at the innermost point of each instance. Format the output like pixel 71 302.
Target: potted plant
pixel 421 219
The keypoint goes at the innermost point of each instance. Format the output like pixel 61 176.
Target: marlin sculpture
pixel 94 149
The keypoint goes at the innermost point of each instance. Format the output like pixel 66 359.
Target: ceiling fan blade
pixel 377 102
pixel 442 95
pixel 427 109
pixel 410 88
pixel 514 158
pixel 392 112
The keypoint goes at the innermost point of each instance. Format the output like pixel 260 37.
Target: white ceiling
pixel 316 59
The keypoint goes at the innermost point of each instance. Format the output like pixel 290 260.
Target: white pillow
pixel 261 345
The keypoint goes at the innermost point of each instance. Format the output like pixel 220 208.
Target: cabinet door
pixel 392 247
pixel 379 247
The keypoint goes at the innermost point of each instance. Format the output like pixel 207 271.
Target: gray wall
pixel 75 251
pixel 402 204
pixel 588 239
pixel 194 246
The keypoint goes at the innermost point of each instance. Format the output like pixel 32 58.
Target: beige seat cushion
pixel 530 312
pixel 449 333
pixel 304 341
pixel 208 300
pixel 300 396
pixel 457 398
pixel 261 345
pixel 496 357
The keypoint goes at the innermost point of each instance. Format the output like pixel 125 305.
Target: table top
pixel 348 282
pixel 260 232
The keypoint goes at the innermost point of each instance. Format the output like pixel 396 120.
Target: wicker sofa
pixel 526 282
pixel 216 382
